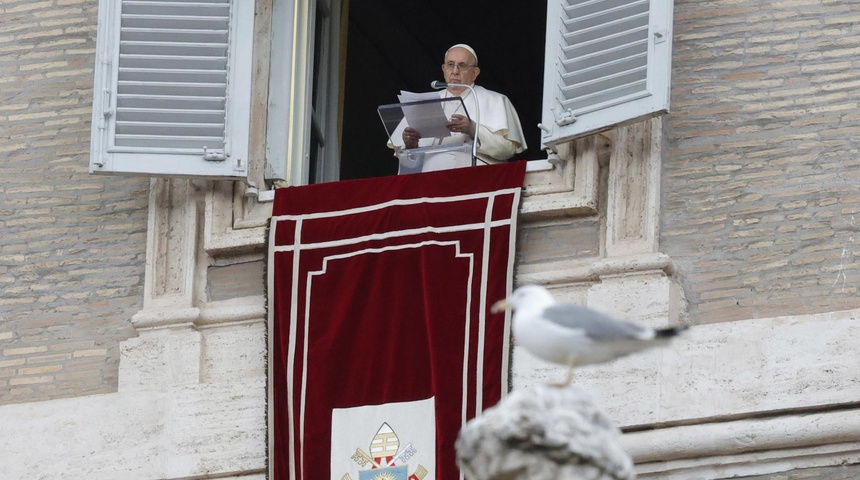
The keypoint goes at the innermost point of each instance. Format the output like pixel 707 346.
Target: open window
pixel 172 88
pixel 576 67
pixel 173 78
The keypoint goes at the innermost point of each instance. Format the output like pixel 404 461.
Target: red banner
pixel 381 344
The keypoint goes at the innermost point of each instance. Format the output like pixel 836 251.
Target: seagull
pixel 568 334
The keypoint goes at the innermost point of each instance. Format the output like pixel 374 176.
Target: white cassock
pixel 500 135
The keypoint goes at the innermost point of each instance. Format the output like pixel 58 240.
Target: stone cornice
pixel 216 313
pixel 593 271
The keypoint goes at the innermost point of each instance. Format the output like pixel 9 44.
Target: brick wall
pixel 73 245
pixel 761 185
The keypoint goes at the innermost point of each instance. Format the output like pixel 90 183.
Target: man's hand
pixel 411 137
pixel 461 124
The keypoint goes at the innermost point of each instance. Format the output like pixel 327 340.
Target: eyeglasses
pixel 460 66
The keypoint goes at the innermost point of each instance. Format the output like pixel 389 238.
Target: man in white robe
pixel 500 135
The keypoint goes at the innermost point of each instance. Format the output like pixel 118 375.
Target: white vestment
pixel 500 135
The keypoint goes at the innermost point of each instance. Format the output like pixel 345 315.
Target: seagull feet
pixel 567 378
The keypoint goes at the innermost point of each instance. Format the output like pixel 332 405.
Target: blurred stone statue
pixel 543 433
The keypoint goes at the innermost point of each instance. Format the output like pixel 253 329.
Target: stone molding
pixel 747 447
pixel 569 189
pixel 214 313
pixel 633 191
pixel 594 270
pixel 171 243
pixel 740 398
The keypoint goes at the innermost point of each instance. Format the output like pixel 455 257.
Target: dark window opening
pixel 394 45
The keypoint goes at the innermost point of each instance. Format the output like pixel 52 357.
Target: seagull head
pixel 527 296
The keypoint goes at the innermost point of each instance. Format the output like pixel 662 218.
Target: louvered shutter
pixel 172 87
pixel 607 63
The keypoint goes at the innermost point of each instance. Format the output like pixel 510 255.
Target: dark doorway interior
pixel 398 45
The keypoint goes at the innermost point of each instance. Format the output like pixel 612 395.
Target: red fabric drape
pixel 379 292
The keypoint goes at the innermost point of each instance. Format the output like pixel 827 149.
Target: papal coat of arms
pixel 385 460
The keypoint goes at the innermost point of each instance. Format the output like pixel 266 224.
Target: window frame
pixel 291 113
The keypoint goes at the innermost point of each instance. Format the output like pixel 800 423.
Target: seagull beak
pixel 500 306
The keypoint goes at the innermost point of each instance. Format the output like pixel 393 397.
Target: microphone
pixel 436 84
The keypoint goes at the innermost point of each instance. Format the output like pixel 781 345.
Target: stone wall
pixel 761 183
pixel 548 241
pixel 843 472
pixel 758 199
pixel 73 245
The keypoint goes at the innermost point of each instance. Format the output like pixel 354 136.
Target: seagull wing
pixel 597 325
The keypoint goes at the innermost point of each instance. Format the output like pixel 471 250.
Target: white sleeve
pixel 496 144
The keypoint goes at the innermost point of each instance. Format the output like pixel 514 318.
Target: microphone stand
pixel 435 84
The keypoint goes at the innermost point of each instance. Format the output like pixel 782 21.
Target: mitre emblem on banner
pixel 385 459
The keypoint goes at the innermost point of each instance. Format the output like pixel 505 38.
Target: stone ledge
pixel 214 313
pixel 785 432
pixel 592 271
pixel 723 371
pixel 235 241
pixel 747 447
pixel 564 204
pixel 732 399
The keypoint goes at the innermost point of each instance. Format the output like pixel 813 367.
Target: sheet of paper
pixel 428 118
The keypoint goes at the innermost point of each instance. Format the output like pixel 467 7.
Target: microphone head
pixel 438 85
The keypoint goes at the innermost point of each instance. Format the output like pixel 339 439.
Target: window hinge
pixel 564 118
pixel 556 161
pixel 251 191
pixel 213 156
pixel 108 111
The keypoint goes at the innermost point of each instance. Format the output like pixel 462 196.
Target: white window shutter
pixel 172 88
pixel 607 63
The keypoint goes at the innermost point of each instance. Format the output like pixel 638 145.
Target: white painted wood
pixel 283 82
pixel 607 63
pixel 291 114
pixel 172 84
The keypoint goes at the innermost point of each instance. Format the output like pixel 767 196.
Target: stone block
pixel 161 357
pixel 650 297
